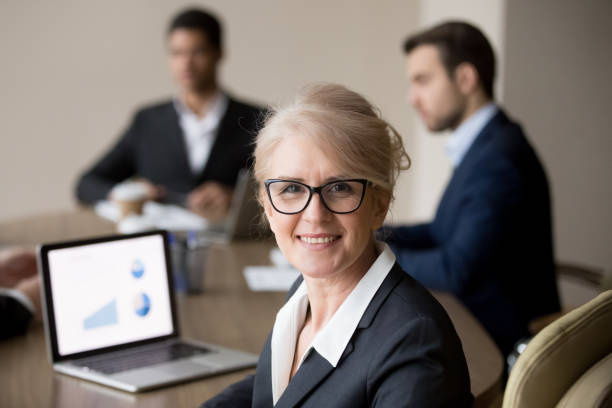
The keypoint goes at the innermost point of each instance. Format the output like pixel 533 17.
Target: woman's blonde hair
pixel 342 122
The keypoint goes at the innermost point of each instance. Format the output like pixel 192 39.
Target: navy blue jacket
pixel 404 353
pixel 153 147
pixel 490 243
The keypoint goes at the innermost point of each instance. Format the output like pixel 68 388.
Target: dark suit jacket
pixel 404 353
pixel 14 317
pixel 153 147
pixel 490 242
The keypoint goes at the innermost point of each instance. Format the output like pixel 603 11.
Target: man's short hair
pixel 459 42
pixel 198 19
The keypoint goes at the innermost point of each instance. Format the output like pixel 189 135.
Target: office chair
pixel 568 363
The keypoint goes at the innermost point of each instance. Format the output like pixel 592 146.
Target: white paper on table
pixel 163 216
pixel 270 278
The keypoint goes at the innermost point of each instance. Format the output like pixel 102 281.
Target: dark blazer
pixel 404 353
pixel 153 147
pixel 14 317
pixel 490 242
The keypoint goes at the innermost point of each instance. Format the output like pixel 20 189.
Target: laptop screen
pixel 109 293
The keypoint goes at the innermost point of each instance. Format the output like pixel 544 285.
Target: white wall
pixel 558 84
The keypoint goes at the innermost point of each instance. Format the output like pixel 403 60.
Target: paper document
pixel 162 216
pixel 270 278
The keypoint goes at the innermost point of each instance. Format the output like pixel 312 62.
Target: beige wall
pixel 74 71
pixel 558 60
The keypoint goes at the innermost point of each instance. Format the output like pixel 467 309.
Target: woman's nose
pixel 316 210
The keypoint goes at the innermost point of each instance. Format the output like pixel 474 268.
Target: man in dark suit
pixel 19 291
pixel 190 149
pixel 490 242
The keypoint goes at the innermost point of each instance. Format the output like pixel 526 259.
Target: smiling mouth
pixel 318 240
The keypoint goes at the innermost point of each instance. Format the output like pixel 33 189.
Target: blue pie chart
pixel 142 304
pixel 137 269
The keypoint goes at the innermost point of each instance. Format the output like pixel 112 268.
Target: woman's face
pixel 343 243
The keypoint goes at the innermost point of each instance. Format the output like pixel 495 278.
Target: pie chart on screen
pixel 138 269
pixel 142 304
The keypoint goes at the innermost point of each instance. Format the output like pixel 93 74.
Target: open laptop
pixel 243 218
pixel 110 315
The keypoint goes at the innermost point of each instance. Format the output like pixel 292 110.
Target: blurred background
pixel 73 73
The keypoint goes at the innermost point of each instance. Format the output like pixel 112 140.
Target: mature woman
pixel 356 331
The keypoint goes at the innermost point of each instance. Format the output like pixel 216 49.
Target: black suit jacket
pixel 153 147
pixel 491 241
pixel 404 353
pixel 14 317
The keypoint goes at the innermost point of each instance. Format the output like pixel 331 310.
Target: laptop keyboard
pixel 127 360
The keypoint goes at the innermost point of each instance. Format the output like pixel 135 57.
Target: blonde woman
pixel 356 330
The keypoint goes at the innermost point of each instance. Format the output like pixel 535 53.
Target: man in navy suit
pixel 490 242
pixel 189 149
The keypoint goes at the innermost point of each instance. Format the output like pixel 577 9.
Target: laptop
pixel 110 315
pixel 243 217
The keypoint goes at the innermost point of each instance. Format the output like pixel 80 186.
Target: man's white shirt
pixel 200 133
pixel 463 137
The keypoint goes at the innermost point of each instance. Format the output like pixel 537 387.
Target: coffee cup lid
pixel 130 190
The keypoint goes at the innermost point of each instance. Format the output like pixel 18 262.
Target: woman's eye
pixel 340 188
pixel 292 189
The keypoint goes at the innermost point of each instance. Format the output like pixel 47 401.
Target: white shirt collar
pixel 332 340
pixel 211 119
pixel 200 133
pixel 465 134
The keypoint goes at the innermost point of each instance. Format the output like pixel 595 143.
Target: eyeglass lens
pixel 339 196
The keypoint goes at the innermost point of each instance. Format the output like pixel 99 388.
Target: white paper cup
pixel 130 197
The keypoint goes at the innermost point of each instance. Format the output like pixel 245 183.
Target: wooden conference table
pixel 226 313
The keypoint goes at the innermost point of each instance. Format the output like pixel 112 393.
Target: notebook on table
pixel 110 316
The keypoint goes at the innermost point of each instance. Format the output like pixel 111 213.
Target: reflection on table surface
pixel 226 313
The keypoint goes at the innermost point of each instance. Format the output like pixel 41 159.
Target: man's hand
pixel 16 264
pixel 155 192
pixel 211 200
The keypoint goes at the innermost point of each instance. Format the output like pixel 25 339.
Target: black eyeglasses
pixel 339 196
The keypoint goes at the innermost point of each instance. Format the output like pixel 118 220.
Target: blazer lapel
pixel 223 141
pixel 176 146
pixel 313 370
pixel 393 278
pixel 469 160
pixel 316 368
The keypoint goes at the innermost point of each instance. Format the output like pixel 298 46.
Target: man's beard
pixel 450 121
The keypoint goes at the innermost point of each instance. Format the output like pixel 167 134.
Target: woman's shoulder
pixel 407 293
pixel 404 301
pixel 410 341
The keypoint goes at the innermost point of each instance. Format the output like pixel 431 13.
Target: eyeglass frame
pixel 312 191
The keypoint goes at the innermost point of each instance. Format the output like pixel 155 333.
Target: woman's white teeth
pixel 320 240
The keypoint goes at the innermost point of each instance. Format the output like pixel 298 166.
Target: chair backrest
pixel 560 354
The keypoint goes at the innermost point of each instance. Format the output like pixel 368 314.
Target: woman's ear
pixel 268 211
pixel 381 202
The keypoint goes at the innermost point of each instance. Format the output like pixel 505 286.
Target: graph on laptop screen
pixel 110 293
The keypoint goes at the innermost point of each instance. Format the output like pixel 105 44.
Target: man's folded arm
pixel 413 236
pixel 486 217
pixel 115 166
